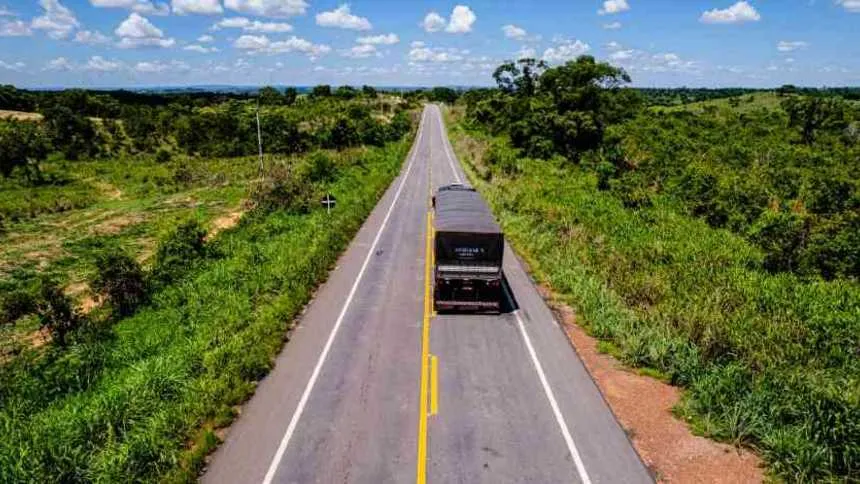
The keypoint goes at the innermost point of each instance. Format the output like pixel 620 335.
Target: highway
pixel 373 387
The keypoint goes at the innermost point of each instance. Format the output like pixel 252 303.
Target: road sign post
pixel 329 201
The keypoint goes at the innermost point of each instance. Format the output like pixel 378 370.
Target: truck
pixel 468 248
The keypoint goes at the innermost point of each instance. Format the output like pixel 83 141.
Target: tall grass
pixel 138 402
pixel 768 361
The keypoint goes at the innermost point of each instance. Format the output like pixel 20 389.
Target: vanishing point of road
pixel 373 387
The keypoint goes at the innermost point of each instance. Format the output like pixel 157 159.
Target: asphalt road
pixel 374 388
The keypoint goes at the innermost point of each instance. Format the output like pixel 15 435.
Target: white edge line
pixel 443 135
pixel 276 460
pixel 571 447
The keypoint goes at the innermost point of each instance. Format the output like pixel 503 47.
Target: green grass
pixel 140 403
pixel 767 361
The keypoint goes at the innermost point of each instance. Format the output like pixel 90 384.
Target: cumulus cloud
pixel 199 48
pixel 262 44
pixel 205 38
pixel 433 22
pixel 203 7
pixel 149 67
pixel 343 18
pixel 740 12
pixel 526 53
pixel 612 26
pixel 57 20
pixel 514 32
pixel 98 63
pixel 791 45
pixel 253 26
pixel 268 8
pixel 613 6
pixel 422 53
pixel 137 31
pixel 461 21
pixel 462 18
pixel 385 39
pixel 852 6
pixel 59 64
pixel 15 28
pixel 91 37
pixel 17 66
pixel 140 6
pixel 361 51
pixel 566 51
pixel 5 12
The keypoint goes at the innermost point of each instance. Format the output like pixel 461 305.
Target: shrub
pixel 163 156
pixel 56 312
pixel 284 189
pixel 781 235
pixel 15 303
pixel 179 251
pixel 121 279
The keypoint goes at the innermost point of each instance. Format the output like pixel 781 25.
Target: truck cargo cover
pixel 463 210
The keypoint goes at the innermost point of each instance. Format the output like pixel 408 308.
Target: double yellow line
pixel 429 363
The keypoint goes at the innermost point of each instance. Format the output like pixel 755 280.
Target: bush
pixel 56 312
pixel 284 189
pixel 121 279
pixel 163 156
pixel 179 252
pixel 15 303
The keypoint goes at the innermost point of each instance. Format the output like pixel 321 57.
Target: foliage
pixel 767 360
pixel 179 252
pixel 121 279
pixel 56 312
pixel 125 407
pixel 72 134
pixel 21 144
pixel 560 110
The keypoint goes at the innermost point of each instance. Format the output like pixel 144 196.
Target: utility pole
pixel 259 138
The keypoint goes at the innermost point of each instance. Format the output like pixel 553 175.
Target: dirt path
pixel 643 406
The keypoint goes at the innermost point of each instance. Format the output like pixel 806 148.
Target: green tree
pixel 22 144
pixel 323 90
pixel 521 77
pixel 269 96
pixel 812 114
pixel 368 91
pixel 345 92
pixel 120 277
pixel 71 133
pixel 290 96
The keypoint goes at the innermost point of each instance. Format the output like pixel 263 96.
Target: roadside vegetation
pixel 715 244
pixel 134 386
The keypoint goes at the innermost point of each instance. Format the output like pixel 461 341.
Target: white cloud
pixel 98 63
pixel 5 12
pixel 738 13
pixel 789 60
pixel 268 8
pixel 613 6
pixel 526 53
pixel 15 28
pixel 149 67
pixel 852 6
pixel 205 38
pixel 18 66
pixel 462 18
pixel 59 64
pixel 514 32
pixel 140 6
pixel 199 48
pixel 613 45
pixel 137 31
pixel 791 45
pixel 612 26
pixel 417 43
pixel 342 18
pixel 203 7
pixel 255 26
pixel 428 54
pixel 57 20
pixel 262 44
pixel 137 27
pixel 361 51
pixel 385 39
pixel 566 51
pixel 433 22
pixel 621 55
pixel 92 37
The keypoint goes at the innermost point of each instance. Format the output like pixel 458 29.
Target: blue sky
pixel 125 43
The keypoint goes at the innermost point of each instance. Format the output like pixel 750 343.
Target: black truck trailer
pixel 468 251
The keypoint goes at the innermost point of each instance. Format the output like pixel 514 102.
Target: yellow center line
pixel 421 474
pixel 434 385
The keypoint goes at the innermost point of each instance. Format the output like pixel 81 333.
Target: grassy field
pixel 141 400
pixel 768 361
